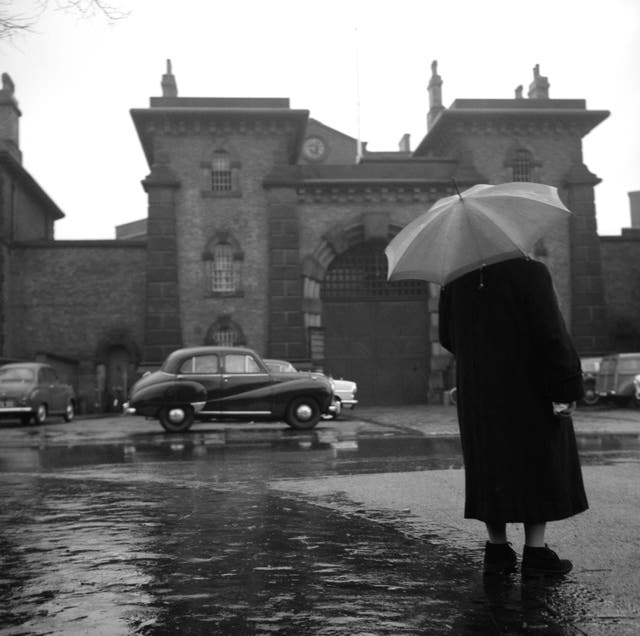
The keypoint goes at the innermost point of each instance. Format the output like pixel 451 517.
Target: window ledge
pixel 234 294
pixel 222 194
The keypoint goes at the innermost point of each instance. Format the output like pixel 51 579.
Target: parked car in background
pixel 344 390
pixel 227 383
pixel 618 379
pixel 590 368
pixel 33 391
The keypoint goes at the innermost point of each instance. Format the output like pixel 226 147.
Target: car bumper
pixel 349 404
pixel 17 410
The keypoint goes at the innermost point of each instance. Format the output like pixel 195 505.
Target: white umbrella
pixel 482 225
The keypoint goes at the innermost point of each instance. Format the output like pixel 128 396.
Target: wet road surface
pixel 185 535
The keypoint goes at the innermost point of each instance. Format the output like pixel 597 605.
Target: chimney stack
pixel 405 143
pixel 634 203
pixel 539 88
pixel 169 86
pixel 9 119
pixel 435 95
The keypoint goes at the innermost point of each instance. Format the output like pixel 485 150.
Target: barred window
pixel 224 336
pixel 221 172
pixel 224 332
pixel 521 166
pixel 222 270
pixel 361 272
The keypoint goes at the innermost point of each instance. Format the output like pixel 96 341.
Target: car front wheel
pixel 176 419
pixel 303 414
pixel 69 412
pixel 40 415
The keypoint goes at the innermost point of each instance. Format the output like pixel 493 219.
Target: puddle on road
pixel 81 556
pixel 326 451
pixel 182 535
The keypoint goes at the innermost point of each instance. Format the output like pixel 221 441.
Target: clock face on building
pixel 314 149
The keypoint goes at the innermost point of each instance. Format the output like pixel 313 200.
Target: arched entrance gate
pixel 376 333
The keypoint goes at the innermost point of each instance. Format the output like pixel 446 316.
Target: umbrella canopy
pixel 484 224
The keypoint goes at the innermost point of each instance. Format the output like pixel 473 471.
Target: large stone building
pixel 266 227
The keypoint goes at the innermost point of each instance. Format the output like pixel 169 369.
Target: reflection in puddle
pixel 89 557
pixel 183 535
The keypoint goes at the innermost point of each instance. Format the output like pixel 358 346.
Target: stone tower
pixel 539 139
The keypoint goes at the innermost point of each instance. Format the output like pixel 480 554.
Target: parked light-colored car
pixel 33 391
pixel 618 379
pixel 344 391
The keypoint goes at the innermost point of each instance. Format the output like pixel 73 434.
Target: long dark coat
pixel 514 358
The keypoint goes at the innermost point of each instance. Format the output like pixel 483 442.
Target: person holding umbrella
pixel 517 372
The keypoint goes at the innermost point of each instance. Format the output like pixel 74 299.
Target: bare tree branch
pixel 12 22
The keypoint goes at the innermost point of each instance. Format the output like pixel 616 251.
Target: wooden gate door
pixel 376 333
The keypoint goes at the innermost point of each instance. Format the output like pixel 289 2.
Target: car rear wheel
pixel 590 397
pixel 40 415
pixel 303 413
pixel 176 419
pixel 69 412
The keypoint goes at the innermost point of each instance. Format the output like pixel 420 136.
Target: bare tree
pixel 14 21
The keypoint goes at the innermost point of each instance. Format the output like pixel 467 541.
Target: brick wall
pixel 621 272
pixel 66 297
pixel 200 215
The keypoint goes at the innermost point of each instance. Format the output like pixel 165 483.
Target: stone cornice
pixel 81 243
pixel 183 121
pixel 369 192
pixel 530 121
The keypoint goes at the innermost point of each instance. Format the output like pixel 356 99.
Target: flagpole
pixel 357 60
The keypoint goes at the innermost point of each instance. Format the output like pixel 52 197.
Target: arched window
pixel 224 337
pixel 361 273
pixel 221 172
pixel 222 269
pixel 521 165
pixel 224 332
pixel 223 265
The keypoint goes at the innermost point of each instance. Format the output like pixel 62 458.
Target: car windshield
pixel 629 365
pixel 16 374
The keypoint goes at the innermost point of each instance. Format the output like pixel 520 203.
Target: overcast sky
pixel 76 80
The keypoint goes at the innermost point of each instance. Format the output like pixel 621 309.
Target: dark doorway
pixel 376 333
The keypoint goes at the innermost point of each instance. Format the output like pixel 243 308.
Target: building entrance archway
pixel 376 333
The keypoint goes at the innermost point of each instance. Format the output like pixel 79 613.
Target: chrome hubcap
pixel 304 412
pixel 176 416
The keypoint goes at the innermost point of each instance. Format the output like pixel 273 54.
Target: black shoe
pixel 543 562
pixel 499 558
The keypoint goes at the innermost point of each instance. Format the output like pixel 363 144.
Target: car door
pixel 46 393
pixel 57 392
pixel 246 386
pixel 205 369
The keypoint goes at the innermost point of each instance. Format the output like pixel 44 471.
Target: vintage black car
pixel 227 383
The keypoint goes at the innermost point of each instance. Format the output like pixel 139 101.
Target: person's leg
pixel 499 557
pixel 537 558
pixel 497 532
pixel 534 534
